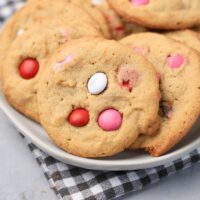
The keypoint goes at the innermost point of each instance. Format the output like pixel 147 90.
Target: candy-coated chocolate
pixel 97 83
pixel 175 61
pixel 139 2
pixel 79 117
pixel 127 77
pixel 28 68
pixel 126 84
pixel 110 120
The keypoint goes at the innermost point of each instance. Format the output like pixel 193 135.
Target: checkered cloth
pixel 75 183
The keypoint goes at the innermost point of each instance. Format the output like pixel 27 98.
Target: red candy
pixel 79 117
pixel 127 77
pixel 28 68
pixel 126 84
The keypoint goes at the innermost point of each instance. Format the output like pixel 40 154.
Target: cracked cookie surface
pixel 188 37
pixel 27 55
pixel 178 70
pixel 159 14
pixel 37 11
pixel 99 100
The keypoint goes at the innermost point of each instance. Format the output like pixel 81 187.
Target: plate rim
pixel 94 164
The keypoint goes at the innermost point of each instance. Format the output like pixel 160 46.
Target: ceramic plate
pixel 129 160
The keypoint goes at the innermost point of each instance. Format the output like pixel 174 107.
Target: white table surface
pixel 21 178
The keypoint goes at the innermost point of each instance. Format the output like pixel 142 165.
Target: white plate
pixel 125 161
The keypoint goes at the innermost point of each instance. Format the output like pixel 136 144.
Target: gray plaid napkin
pixel 75 183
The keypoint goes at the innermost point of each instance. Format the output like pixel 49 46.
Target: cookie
pixel 95 14
pixel 37 11
pixel 188 37
pixel 115 23
pixel 119 28
pixel 99 93
pixel 178 70
pixel 27 55
pixel 159 14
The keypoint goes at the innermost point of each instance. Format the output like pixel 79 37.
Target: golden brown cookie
pixel 93 12
pixel 188 37
pixel 159 14
pixel 27 55
pixel 178 70
pixel 119 27
pixel 98 91
pixel 37 11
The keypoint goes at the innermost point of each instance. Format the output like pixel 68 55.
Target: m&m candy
pixel 110 120
pixel 28 68
pixel 97 83
pixel 79 117
pixel 175 61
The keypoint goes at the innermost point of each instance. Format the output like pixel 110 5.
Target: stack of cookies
pixel 97 79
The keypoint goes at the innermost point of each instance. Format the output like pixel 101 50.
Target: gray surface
pixel 22 179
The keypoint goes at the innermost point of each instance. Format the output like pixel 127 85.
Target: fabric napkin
pixel 73 183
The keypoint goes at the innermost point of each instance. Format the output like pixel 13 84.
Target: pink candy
pixel 175 61
pixel 110 120
pixel 139 2
pixel 127 77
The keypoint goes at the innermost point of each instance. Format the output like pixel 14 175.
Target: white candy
pixel 97 83
pixel 20 32
pixel 96 2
